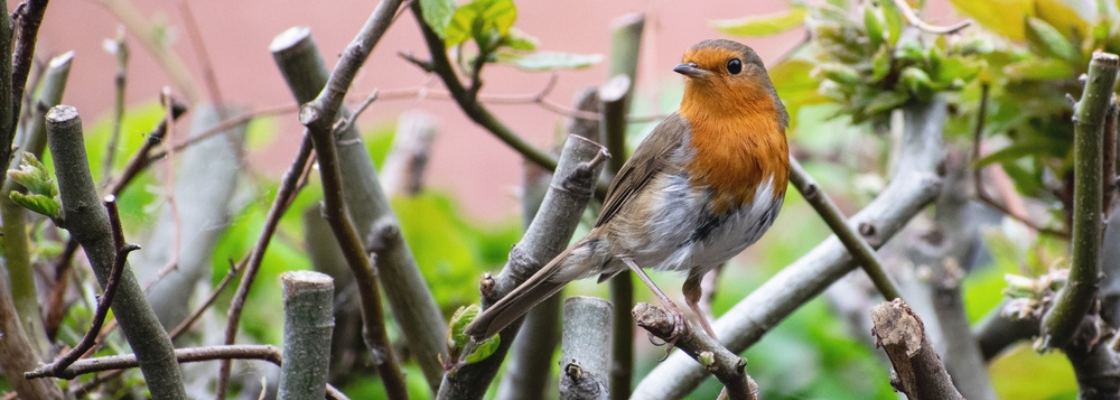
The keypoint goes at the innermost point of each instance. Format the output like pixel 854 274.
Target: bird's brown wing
pixel 650 158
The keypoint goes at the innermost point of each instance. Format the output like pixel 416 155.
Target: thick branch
pixel 16 245
pixel 88 223
pixel 728 367
pixel 408 293
pixel 1060 324
pixel 580 164
pixel 308 318
pixel 915 183
pixel 585 359
pixel 900 332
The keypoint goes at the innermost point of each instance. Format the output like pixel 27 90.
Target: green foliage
pixel 489 24
pixel 42 196
pixel 457 341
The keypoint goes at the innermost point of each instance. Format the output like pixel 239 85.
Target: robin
pixel 705 184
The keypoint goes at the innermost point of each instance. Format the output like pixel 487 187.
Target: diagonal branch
pixel 848 235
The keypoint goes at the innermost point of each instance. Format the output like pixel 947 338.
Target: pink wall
pixel 467 160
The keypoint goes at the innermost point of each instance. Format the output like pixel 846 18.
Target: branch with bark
pixel 572 186
pixel 729 368
pixel 1060 323
pixel 917 368
pixel 585 361
pixel 88 223
pixel 409 296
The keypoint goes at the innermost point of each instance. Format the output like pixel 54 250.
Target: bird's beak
pixel 690 70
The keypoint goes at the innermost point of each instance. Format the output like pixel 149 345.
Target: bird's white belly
pixel 687 234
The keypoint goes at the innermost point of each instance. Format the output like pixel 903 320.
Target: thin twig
pixel 137 163
pixel 222 127
pixel 185 325
pixel 911 16
pixel 120 81
pixel 199 45
pixel 279 206
pixel 169 191
pixel 978 174
pixel 28 17
pixel 852 240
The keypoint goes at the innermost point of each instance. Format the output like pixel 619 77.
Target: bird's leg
pixel 679 321
pixel 692 292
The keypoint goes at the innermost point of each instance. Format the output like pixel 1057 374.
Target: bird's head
pixel 723 76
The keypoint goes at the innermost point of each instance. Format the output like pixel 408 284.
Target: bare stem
pixel 1060 323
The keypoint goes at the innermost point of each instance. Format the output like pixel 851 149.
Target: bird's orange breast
pixel 739 145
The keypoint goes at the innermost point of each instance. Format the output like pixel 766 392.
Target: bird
pixel 707 182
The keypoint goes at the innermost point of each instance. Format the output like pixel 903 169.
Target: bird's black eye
pixel 734 66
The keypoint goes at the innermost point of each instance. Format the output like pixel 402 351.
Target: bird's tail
pixel 539 287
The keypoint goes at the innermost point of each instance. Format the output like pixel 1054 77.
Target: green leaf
pixel 838 73
pixel 520 41
pixel 34 176
pixel 887 101
pixel 1047 41
pixel 1019 149
pixel 880 64
pixel 917 81
pixel 456 339
pixel 795 87
pixel 480 19
pixel 437 14
pixel 874 26
pixel 762 25
pixel 484 349
pixel 37 203
pixel 1039 70
pixel 548 60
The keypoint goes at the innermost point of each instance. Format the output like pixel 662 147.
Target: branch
pixel 151 37
pixel 120 81
pixel 529 369
pixel 280 203
pixel 1060 324
pixel 914 185
pixel 468 100
pixel 308 318
pixel 900 332
pixel 847 234
pixel 571 189
pixel 110 291
pixel 89 224
pixel 8 104
pixel 728 367
pixel 614 103
pixel 402 173
pixel 16 245
pixel 319 117
pixel 585 356
pixel 139 159
pixel 409 295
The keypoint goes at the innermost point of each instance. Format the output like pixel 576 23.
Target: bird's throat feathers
pixel 738 134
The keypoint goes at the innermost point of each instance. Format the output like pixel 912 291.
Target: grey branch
pixel 585 361
pixel 308 319
pixel 728 367
pixel 88 222
pixel 409 296
pixel 914 184
pixel 580 164
pixel 900 332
